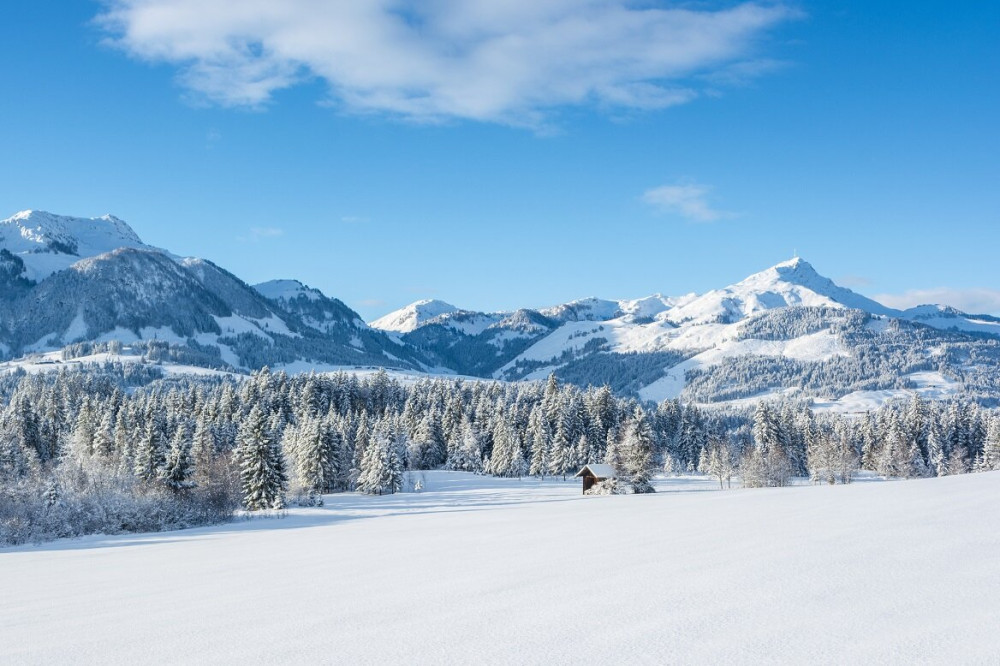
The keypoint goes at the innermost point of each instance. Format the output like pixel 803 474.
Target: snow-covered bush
pixel 78 503
pixel 607 487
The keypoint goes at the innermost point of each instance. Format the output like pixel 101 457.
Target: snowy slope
pixel 947 318
pixel 502 571
pixel 413 316
pixel 648 346
pixel 585 309
pixel 790 283
pixel 287 290
pixel 47 243
pixel 313 307
pixel 65 280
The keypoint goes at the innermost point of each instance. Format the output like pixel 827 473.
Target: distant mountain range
pixel 786 331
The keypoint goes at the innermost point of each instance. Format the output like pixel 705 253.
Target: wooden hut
pixel 592 474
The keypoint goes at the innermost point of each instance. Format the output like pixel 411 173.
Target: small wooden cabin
pixel 591 474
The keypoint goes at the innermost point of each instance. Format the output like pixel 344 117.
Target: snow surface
pixel 584 309
pixel 54 362
pixel 412 316
pixel 287 290
pixel 948 318
pixel 928 385
pixel 481 570
pixel 793 282
pixel 36 237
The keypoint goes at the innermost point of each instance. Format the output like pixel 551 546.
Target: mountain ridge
pixel 784 331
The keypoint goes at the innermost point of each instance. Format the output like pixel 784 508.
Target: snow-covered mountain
pixel 46 243
pixel 313 307
pixel 413 316
pixel 786 331
pixel 65 280
pixel 791 283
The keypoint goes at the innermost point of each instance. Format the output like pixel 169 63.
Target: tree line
pixel 81 452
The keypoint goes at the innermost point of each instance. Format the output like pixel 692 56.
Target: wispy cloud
pixel 687 200
pixel 372 303
pixel 744 72
pixel 509 62
pixel 261 233
pixel 354 219
pixel 975 301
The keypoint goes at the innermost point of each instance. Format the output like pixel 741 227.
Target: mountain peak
pixel 287 290
pixel 792 282
pixel 37 224
pixel 47 242
pixel 413 315
pixel 793 265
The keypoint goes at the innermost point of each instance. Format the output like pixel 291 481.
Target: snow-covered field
pixel 482 570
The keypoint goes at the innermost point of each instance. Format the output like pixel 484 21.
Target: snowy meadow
pixel 475 569
pixel 348 519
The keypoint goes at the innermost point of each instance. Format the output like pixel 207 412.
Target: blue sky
pixel 521 153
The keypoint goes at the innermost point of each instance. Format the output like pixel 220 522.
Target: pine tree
pixel 468 455
pixel 178 467
pixel 541 441
pixel 202 445
pixel 104 438
pixel 507 459
pixel 370 471
pixel 262 470
pixel 427 449
pixel 989 459
pixel 382 466
pixel 82 442
pixel 16 460
pixel 692 437
pixel 314 458
pixel 124 442
pixel 150 455
pixel 936 458
pixel 638 454
pixel 957 462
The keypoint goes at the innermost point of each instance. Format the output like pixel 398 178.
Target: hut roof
pixel 599 471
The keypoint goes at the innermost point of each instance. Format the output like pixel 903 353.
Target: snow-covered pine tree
pixel 104 435
pixel 178 467
pixel 81 446
pixel 314 459
pixel 16 460
pixel 149 454
pixel 638 452
pixel 937 459
pixel 468 454
pixel 382 465
pixel 427 449
pixel 202 444
pixel 989 459
pixel 262 470
pixel 507 459
pixel 540 439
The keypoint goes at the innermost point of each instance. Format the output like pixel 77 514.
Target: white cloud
pixel 975 301
pixel 487 60
pixel 261 233
pixel 690 201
